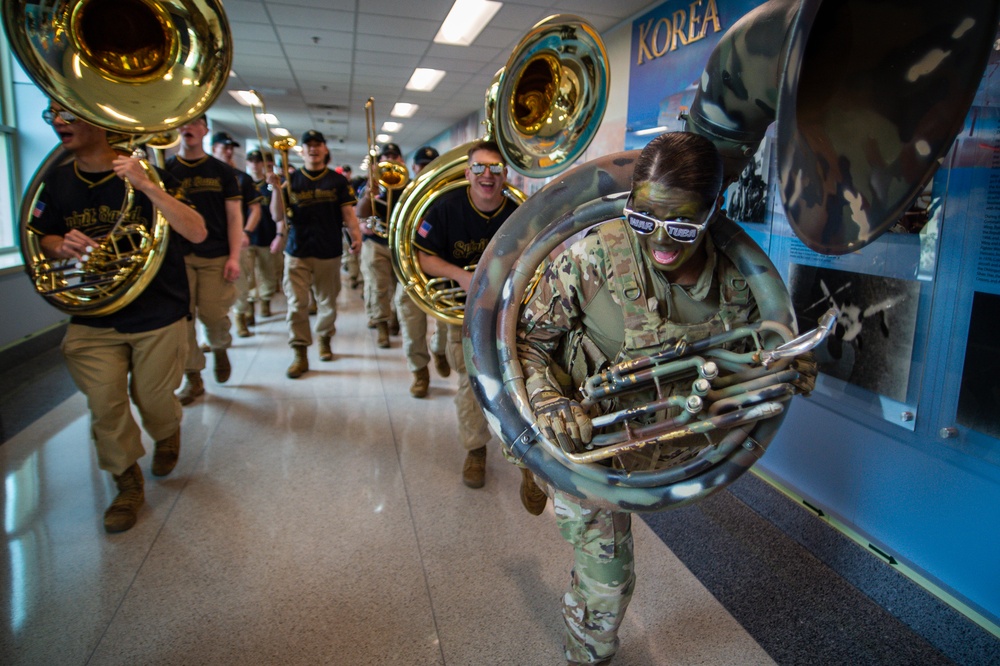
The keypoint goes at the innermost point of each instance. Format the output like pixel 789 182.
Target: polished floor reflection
pixel 312 521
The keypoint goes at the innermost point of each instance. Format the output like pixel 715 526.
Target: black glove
pixel 563 420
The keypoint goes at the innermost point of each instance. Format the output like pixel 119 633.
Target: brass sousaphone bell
pixel 868 97
pixel 134 67
pixel 543 108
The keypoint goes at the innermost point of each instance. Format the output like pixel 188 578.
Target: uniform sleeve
pixel 45 217
pixel 556 308
pixel 250 193
pixel 231 185
pixel 432 234
pixel 345 193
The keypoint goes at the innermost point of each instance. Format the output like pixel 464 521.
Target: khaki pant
pixel 323 277
pixel 413 328
pixel 352 262
pixel 245 282
pixel 380 281
pixel 258 277
pixel 211 297
pixel 472 427
pixel 267 275
pixel 109 368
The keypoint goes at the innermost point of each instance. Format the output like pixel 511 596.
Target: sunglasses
pixel 681 230
pixel 49 116
pixel 478 168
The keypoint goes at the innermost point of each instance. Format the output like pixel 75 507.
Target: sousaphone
pixel 138 68
pixel 543 108
pixel 868 97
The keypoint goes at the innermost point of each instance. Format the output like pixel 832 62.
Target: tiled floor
pixel 312 521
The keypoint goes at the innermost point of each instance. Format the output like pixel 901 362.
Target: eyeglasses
pixel 496 168
pixel 49 116
pixel 679 229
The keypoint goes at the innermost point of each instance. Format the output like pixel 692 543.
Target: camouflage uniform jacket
pixel 601 302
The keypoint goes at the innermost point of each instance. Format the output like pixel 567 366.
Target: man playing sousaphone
pixel 453 236
pixel 137 351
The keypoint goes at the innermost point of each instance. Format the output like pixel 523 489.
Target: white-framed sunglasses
pixel 681 230
pixel 495 168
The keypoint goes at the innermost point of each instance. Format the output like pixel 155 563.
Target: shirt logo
pixel 39 209
pixel 425 228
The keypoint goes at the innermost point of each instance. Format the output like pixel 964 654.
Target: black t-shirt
pixel 457 231
pixel 267 228
pixel 248 192
pixel 208 183
pixel 316 225
pixel 91 203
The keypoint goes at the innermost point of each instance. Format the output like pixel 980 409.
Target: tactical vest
pixel 646 331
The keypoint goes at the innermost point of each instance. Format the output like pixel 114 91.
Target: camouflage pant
pixel 602 579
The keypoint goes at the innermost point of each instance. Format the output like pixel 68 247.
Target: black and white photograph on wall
pixel 746 199
pixel 872 344
pixel 979 394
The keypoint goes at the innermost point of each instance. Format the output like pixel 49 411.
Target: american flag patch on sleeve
pixel 39 209
pixel 425 228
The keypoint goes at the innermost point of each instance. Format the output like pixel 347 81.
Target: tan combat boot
pixel 325 353
pixel 165 454
pixel 474 471
pixel 193 387
pixel 222 367
pixel 241 326
pixel 383 334
pixel 121 515
pixel 265 308
pixel 301 363
pixel 421 383
pixel 441 365
pixel 251 320
pixel 532 497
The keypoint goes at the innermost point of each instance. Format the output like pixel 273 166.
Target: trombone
pixel 283 145
pixel 390 175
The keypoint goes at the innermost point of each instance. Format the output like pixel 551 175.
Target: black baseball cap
pixel 255 156
pixel 313 135
pixel 425 155
pixel 224 138
pixel 391 149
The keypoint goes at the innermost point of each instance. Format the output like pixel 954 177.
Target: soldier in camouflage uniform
pixel 627 290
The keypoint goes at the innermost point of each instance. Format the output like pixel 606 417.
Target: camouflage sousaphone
pixel 868 96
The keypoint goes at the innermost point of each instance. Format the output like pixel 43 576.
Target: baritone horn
pixel 132 67
pixel 390 176
pixel 542 108
pixel 869 96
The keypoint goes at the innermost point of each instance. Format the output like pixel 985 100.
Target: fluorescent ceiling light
pixel 383 138
pixel 425 79
pixel 403 110
pixel 280 131
pixel 245 97
pixel 465 21
pixel 389 126
pixel 651 130
pixel 267 118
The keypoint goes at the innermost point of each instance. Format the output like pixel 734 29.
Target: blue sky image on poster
pixel 670 46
